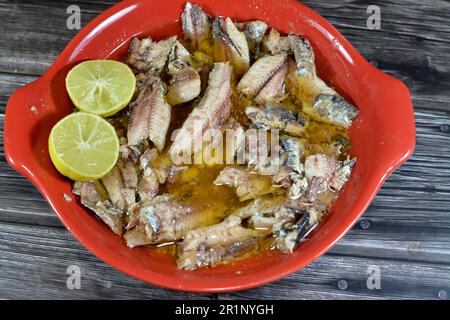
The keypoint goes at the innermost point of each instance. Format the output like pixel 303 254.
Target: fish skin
pixel 319 101
pixel 304 56
pixel 254 32
pixel 147 157
pixel 276 117
pixel 260 73
pixel 247 185
pixel 230 45
pixel 166 218
pixel 149 56
pixel 218 243
pixel 150 116
pixel 294 148
pixel 334 109
pixel 94 197
pixel 212 111
pixel 196 25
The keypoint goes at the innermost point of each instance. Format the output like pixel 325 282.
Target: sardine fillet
pixel 167 219
pixel 219 243
pixel 196 24
pixel 277 117
pixel 150 117
pixel 318 100
pixel 247 185
pixel 115 186
pixel 230 45
pixel 148 56
pixel 94 197
pixel 273 90
pixel 212 110
pixel 184 86
pixel 260 73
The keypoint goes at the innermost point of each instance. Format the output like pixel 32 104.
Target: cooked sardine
pixel 293 149
pixel 304 56
pixel 234 134
pixel 94 196
pixel 185 82
pixel 342 173
pixel 129 173
pixel 148 184
pixel 318 100
pixel 288 235
pixel 275 43
pixel 326 174
pixel 230 45
pixel 130 180
pixel 165 218
pixel 273 90
pixel 277 117
pixel 184 86
pixel 149 116
pixel 286 175
pixel 149 56
pixel 136 237
pixel 196 25
pixel 115 186
pixel 219 243
pixel 179 58
pixel 248 185
pixel 265 212
pixel 260 73
pixel 254 32
pixel 298 186
pixel 212 110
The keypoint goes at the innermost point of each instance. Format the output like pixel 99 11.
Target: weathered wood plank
pixel 412 31
pixel 28 271
pixel 10 83
pixel 324 278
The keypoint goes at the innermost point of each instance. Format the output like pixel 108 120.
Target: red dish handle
pixel 25 102
pixel 27 150
pixel 398 135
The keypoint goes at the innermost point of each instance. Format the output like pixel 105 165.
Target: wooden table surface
pixel 405 232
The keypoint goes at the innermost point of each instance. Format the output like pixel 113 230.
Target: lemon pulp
pixel 83 146
pixel 103 87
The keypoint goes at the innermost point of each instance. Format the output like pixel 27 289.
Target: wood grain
pixel 406 230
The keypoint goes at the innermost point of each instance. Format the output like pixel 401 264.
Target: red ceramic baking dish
pixel 382 137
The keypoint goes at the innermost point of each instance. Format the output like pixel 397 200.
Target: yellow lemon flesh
pixel 103 87
pixel 83 146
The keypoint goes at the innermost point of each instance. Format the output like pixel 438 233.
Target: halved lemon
pixel 83 146
pixel 103 87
